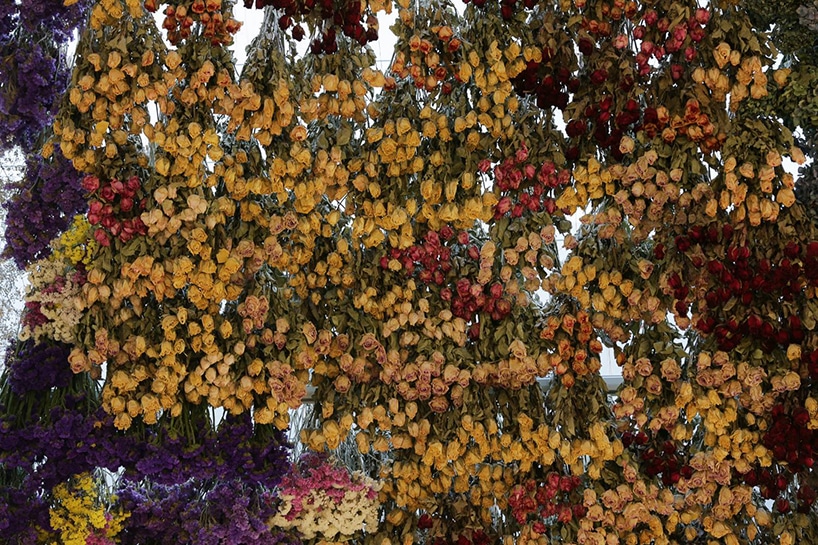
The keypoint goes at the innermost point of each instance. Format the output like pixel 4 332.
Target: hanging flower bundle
pixel 437 254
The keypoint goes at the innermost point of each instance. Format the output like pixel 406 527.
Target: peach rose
pixel 653 385
pixel 369 342
pixel 644 367
pixel 671 371
pixel 342 384
pixel 439 404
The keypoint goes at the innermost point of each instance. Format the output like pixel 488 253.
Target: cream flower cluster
pixel 328 503
pixel 52 301
pixel 324 518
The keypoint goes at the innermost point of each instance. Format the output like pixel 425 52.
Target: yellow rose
pixel 797 155
pixel 758 91
pixel 122 421
pixel 645 268
pixel 449 213
pixel 299 133
pixel 374 134
pixel 780 76
pixel 226 329
pixel 330 82
pixel 785 197
pixel 626 145
pixel 310 332
pixel 387 149
pixel 459 125
pixel 722 54
pixel 791 381
pixel 332 434
pixel 173 59
pixel 794 352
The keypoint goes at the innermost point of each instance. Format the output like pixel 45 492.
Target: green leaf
pixel 344 135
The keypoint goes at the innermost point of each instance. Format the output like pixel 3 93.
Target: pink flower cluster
pixel 97 539
pixel 114 207
pixel 33 315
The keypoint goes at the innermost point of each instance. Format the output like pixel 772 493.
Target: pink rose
pixel 90 183
pixel 368 341
pixel 503 206
pixel 410 373
pixel 133 184
pixel 403 389
pixel 102 238
pixel 653 385
pixel 343 342
pixel 671 370
pixel 107 193
pixel 117 186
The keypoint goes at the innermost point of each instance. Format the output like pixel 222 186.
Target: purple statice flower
pixel 157 513
pixel 32 79
pixel 42 19
pixel 197 512
pixel 156 460
pixel 237 451
pixel 200 489
pixel 23 508
pixel 51 435
pixel 34 72
pixel 52 17
pixel 164 456
pixel 42 206
pixel 38 367
pixel 7 22
pixel 252 454
pixel 106 447
pixel 234 514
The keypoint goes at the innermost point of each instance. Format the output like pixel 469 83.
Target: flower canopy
pixel 436 255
